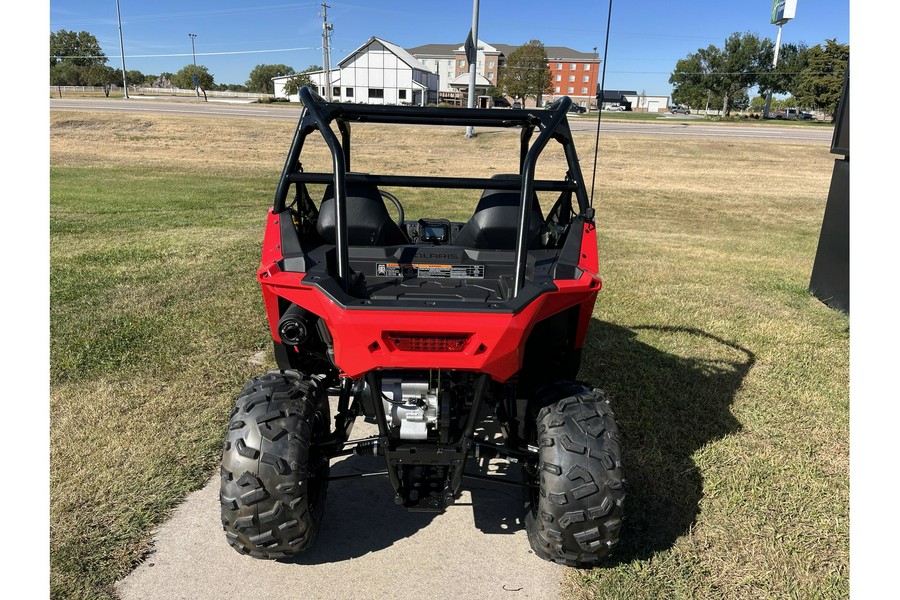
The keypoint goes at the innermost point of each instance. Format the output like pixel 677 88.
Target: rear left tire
pixel 273 480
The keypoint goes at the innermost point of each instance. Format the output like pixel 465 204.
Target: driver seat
pixel 495 224
pixel 368 221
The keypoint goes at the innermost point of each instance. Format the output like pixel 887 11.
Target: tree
pixel 292 86
pixel 525 72
pixel 76 59
pixel 184 78
pixel 819 84
pixel 260 79
pixel 66 73
pixel 81 49
pixel 134 77
pixel 792 60
pixel 689 90
pixel 758 103
pixel 726 72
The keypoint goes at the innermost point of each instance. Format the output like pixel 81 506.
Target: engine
pixel 411 406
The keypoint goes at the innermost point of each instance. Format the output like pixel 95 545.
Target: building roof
pixel 434 50
pixel 399 52
pixel 463 79
pixel 615 95
pixel 553 52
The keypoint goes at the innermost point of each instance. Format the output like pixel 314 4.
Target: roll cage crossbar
pixel 318 115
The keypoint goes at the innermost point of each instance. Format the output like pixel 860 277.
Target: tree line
pixel 722 78
pixel 76 59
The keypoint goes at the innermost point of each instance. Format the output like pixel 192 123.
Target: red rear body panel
pixel 495 340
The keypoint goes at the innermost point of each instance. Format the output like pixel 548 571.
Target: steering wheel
pixel 396 202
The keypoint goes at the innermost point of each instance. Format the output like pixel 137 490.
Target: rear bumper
pixel 495 340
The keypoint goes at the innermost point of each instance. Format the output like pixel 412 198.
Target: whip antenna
pixel 600 102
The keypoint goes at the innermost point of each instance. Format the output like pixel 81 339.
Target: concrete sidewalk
pixel 368 548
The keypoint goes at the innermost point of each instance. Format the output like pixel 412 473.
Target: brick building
pixel 573 73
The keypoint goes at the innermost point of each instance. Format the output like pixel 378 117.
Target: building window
pixel 556 90
pixel 348 92
pixel 402 95
pixel 572 67
pixel 462 63
pixel 584 90
pixel 587 66
pixel 571 90
pixel 559 77
pixel 571 78
pixel 558 66
pixel 586 78
pixel 336 91
pixel 490 63
pixel 491 75
pixel 376 93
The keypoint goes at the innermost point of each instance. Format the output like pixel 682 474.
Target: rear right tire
pixel 575 515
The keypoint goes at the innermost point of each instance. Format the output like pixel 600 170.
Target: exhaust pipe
pixel 293 327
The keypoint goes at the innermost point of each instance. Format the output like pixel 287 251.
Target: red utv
pixel 428 327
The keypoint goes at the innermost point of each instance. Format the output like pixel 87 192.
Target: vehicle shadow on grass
pixel 667 406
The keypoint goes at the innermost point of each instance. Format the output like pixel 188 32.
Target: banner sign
pixel 783 11
pixel 471 50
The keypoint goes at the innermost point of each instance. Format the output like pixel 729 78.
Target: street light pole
pixel 193 37
pixel 122 50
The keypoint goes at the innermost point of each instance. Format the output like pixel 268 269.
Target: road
pixel 368 548
pixel 610 126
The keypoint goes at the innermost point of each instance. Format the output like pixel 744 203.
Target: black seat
pixel 495 223
pixel 368 221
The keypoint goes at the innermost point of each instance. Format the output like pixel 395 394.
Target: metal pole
pixel 193 36
pixel 470 130
pixel 326 50
pixel 774 64
pixel 122 50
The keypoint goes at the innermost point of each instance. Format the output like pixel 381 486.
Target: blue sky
pixel 646 38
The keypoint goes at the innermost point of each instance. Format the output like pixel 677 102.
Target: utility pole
pixel 327 29
pixel 193 37
pixel 473 65
pixel 122 50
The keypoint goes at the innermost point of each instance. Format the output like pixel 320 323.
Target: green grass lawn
pixel 729 381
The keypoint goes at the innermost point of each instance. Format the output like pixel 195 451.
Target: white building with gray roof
pixel 378 72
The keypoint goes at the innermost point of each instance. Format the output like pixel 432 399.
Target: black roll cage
pixel 318 114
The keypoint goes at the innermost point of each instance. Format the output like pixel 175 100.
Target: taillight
pixel 416 342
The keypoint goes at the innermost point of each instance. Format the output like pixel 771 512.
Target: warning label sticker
pixel 429 271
